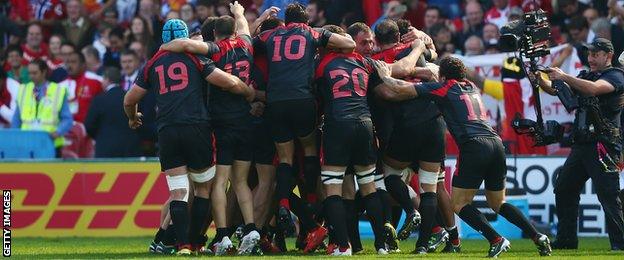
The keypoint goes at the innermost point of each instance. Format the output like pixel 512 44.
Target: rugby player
pixel 480 149
pixel 184 129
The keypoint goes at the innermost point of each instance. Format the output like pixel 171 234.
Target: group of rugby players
pixel 385 110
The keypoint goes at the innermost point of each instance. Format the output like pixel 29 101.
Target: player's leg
pixel 332 178
pixel 373 206
pixel 351 210
pixel 157 245
pixel 240 172
pixel 263 194
pixel 398 189
pixel 428 178
pixel 202 181
pixel 446 219
pixel 305 126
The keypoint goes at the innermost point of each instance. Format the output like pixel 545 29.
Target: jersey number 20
pixel 358 76
pixel 175 72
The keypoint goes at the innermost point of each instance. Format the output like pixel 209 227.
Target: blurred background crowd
pixel 95 48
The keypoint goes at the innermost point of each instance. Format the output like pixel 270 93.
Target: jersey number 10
pixel 175 72
pixel 289 53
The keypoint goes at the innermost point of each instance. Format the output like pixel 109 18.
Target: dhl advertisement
pixel 52 199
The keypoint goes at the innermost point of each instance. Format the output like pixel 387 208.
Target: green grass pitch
pixel 100 248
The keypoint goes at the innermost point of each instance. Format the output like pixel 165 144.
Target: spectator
pixel 47 12
pixel 316 12
pixel 115 47
pixel 604 29
pixel 204 9
pixel 77 27
pixel 95 9
pixel 473 21
pixel 107 124
pixel 101 42
pixel 8 96
pixel 394 10
pixel 139 31
pixel 125 11
pixel 138 48
pixel 591 14
pixel 433 16
pixel 35 48
pixel 56 62
pixel 172 15
pixel 187 14
pixel 149 11
pixel 82 86
pixel 474 46
pixel 52 115
pixel 579 36
pixel 498 13
pixel 129 69
pixel 67 48
pixel 443 40
pixel 450 6
pixel 16 69
pixel 92 59
pixel 111 18
pixel 567 10
pixel 281 4
pixel 491 34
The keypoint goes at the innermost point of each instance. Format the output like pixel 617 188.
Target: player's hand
pixel 257 109
pixel 555 73
pixel 251 94
pixel 136 121
pixel 270 12
pixel 383 70
pixel 236 8
pixel 416 44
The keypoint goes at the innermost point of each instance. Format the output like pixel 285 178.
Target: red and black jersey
pixel 178 80
pixel 344 80
pixel 290 51
pixel 413 111
pixel 235 56
pixel 259 72
pixel 461 105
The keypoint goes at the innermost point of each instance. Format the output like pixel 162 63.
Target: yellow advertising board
pixel 54 199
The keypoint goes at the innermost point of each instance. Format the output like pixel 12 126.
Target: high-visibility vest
pixel 42 115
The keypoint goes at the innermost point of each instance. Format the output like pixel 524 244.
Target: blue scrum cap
pixel 174 29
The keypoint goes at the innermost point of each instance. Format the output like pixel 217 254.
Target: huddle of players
pixel 367 113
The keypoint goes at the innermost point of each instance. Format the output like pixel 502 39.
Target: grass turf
pixel 35 248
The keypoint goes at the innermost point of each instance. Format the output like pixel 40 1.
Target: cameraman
pixel 597 144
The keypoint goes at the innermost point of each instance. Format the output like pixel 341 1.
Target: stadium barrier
pixel 98 198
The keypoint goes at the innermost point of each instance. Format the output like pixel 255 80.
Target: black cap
pixel 600 44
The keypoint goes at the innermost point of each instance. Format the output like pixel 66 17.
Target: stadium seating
pixel 18 144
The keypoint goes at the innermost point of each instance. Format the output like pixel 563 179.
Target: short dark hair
pixel 334 29
pixel 117 32
pixel 357 28
pixel 225 26
pixel 129 52
pixel 13 48
pixel 207 28
pixel 206 3
pixel 578 23
pixel 436 28
pixel 270 24
pixel 113 74
pixel 387 32
pixel 296 13
pixel 68 43
pixel 452 68
pixel 404 26
pixel 433 7
pixel 320 4
pixel 81 57
pixel 41 64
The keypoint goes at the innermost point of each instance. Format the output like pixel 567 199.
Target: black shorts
pixel 189 145
pixel 349 142
pixel 290 119
pixel 418 142
pixel 233 140
pixel 263 145
pixel 481 159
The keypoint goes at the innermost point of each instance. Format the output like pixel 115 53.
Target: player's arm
pixel 341 43
pixel 260 95
pixel 238 11
pixel 230 83
pixel 131 107
pixel 272 11
pixel 187 45
pixel 392 89
pixel 405 66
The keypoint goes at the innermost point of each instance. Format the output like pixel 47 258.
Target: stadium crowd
pixel 124 34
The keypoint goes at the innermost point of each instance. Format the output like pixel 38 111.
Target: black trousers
pixel 582 164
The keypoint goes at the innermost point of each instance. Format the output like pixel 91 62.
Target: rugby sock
pixel 169 237
pixel 160 234
pixel 351 217
pixel 199 213
pixel 475 219
pixel 385 204
pixel 180 218
pixel 311 174
pixel 513 214
pixel 248 228
pixel 453 235
pixel 335 213
pixel 298 208
pixel 373 206
pixel 398 190
pixel 428 208
pixel 285 184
